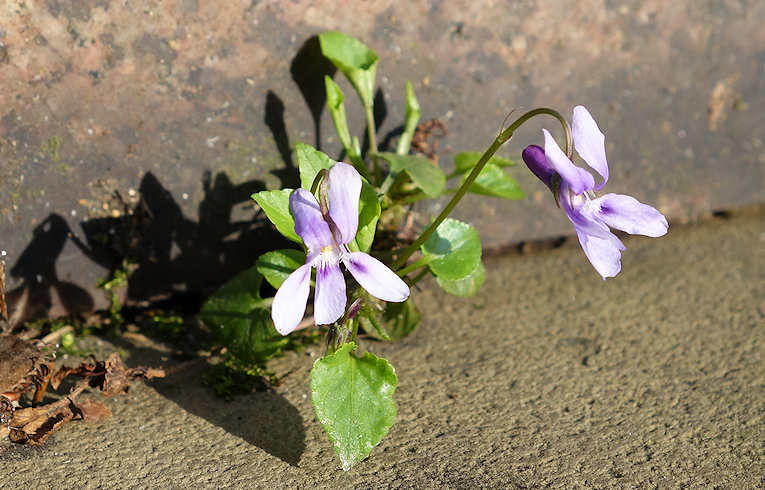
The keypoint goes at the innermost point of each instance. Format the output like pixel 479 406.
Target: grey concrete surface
pixel 193 106
pixel 550 377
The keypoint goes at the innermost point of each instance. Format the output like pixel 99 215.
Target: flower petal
pixel 289 303
pixel 577 178
pixel 535 159
pixel 344 192
pixel 604 253
pixel 329 299
pixel 602 248
pixel 376 277
pixel 589 142
pixel 309 223
pixel 628 214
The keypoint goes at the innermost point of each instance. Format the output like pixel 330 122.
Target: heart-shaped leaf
pixel 353 400
pixel 428 177
pixel 241 321
pixel 310 162
pixel 277 265
pixel 494 182
pixel 465 161
pixel 468 285
pixel 453 251
pixel 276 205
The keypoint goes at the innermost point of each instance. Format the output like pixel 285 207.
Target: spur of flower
pixel 326 231
pixel 575 189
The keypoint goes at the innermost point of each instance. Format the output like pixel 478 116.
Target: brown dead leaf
pixel 3 307
pixel 423 134
pixel 32 426
pixel 111 377
pixel 6 410
pixel 93 410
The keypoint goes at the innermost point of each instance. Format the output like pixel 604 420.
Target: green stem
pixel 501 139
pixel 412 267
pixel 371 134
pixel 387 183
pixel 417 278
pixel 419 196
pixel 354 329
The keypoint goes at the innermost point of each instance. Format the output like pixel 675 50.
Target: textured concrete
pixel 549 377
pixel 194 106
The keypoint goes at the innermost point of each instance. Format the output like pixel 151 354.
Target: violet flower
pixel 592 216
pixel 325 238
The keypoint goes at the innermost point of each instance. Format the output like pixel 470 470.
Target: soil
pixel 549 377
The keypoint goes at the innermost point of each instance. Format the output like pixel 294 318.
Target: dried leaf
pixel 3 306
pixel 32 426
pixel 93 410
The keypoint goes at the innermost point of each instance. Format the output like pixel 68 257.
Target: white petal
pixel 309 223
pixel 329 299
pixel 577 178
pixel 628 214
pixel 603 253
pixel 344 193
pixel 376 277
pixel 289 303
pixel 589 142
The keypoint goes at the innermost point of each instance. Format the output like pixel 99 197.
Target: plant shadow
pixel 174 262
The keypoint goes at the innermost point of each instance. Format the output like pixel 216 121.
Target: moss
pixel 51 147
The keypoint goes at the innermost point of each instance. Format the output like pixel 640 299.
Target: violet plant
pixel 341 209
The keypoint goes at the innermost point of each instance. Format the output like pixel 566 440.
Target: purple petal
pixel 628 214
pixel 309 223
pixel 376 277
pixel 289 303
pixel 535 159
pixel 344 192
pixel 603 253
pixel 602 248
pixel 577 178
pixel 329 299
pixel 589 142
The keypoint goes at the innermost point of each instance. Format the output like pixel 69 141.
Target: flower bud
pixel 535 159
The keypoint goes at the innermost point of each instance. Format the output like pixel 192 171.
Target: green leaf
pixel 428 177
pixel 369 320
pixel 353 400
pixel 241 321
pixel 412 118
pixel 494 182
pixel 277 265
pixel 310 162
pixel 465 161
pixel 389 321
pixel 369 213
pixel 276 205
pixel 400 319
pixel 357 62
pixel 467 286
pixel 453 251
pixel 336 108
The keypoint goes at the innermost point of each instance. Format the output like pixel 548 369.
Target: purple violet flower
pixel 592 216
pixel 325 238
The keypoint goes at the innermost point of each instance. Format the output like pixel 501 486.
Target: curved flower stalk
pixel 326 233
pixel 574 189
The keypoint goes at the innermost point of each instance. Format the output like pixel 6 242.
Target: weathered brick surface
pixel 195 105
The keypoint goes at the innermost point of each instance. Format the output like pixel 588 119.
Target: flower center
pixel 329 255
